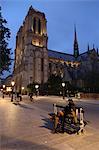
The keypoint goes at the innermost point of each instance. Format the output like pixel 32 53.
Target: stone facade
pixel 34 62
pixel 31 56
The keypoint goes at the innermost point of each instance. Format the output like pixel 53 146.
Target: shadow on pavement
pixel 68 128
pixel 23 106
pixel 47 123
pixel 11 143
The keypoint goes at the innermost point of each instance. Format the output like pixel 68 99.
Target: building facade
pixel 34 62
pixel 31 54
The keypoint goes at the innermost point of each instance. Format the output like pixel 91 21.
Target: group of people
pixel 68 111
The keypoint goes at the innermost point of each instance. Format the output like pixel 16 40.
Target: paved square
pixel 26 126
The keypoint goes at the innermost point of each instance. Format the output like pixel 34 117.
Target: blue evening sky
pixel 61 16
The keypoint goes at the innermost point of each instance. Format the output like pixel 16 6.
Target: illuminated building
pixel 34 62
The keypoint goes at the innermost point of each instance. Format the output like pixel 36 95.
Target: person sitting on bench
pixel 72 108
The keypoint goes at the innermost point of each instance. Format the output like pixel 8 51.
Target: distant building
pixel 34 62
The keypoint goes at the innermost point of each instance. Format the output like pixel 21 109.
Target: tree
pixel 31 87
pixel 92 81
pixel 54 85
pixel 5 52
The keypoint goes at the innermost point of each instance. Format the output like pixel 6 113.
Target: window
pixel 39 26
pixel 34 25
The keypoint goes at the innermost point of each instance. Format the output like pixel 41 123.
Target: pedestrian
pixel 31 96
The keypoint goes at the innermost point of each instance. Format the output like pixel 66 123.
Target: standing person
pixel 72 108
pixel 31 96
pixel 20 96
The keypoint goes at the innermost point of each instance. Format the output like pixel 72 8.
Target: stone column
pixel 36 25
pixel 41 27
pixel 38 67
pixel 44 28
pixel 30 23
pixel 45 65
pixel 45 70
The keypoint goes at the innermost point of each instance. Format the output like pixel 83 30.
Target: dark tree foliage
pixel 54 85
pixel 5 52
pixel 31 87
pixel 92 81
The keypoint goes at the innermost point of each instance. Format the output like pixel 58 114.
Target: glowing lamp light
pixel 3 86
pixel 12 83
pixel 36 86
pixel 63 84
pixel 22 88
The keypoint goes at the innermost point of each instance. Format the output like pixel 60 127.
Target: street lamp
pixel 36 87
pixel 3 90
pixel 63 85
pixel 3 86
pixel 12 84
pixel 22 89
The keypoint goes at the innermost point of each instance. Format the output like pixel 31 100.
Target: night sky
pixel 61 16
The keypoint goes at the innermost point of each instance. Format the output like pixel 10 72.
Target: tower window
pixel 34 25
pixel 39 26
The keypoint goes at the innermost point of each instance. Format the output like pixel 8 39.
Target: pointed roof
pixel 76 49
pixel 88 47
pixel 60 55
pixel 31 10
pixel 75 35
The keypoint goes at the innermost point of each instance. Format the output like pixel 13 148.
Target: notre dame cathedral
pixel 34 62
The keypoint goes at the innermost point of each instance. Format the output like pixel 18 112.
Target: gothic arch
pixel 34 25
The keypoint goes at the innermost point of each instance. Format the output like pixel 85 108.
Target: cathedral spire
pixel 88 47
pixel 76 49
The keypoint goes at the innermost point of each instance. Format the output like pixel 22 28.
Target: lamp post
pixel 36 87
pixel 22 88
pixel 12 84
pixel 3 90
pixel 63 85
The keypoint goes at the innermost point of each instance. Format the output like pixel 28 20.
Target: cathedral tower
pixel 31 54
pixel 76 48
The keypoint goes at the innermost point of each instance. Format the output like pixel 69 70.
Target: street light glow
pixel 36 86
pixel 22 88
pixel 63 84
pixel 12 83
pixel 3 86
